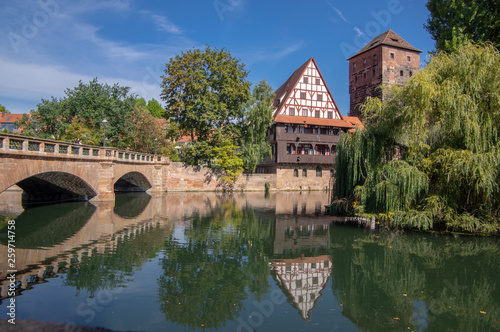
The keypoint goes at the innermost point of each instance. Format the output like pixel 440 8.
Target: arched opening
pixel 130 182
pixel 51 187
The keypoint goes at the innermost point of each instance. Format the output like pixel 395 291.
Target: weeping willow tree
pixel 430 155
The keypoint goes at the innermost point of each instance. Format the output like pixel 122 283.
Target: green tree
pixel 452 22
pixel 227 160
pixel 91 103
pixel 143 129
pixel 156 110
pixel 430 155
pixel 204 90
pixel 3 109
pixel 257 119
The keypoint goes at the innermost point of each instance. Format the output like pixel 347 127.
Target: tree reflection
pixel 392 282
pixel 207 276
pixel 116 264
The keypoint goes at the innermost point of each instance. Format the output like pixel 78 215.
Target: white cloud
pixel 259 56
pixel 358 31
pixel 163 23
pixel 30 81
pixel 338 12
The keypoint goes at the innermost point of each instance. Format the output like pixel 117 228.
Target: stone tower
pixel 387 59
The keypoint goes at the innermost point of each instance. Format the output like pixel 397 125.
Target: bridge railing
pixel 23 145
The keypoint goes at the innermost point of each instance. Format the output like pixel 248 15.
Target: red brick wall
pixel 365 79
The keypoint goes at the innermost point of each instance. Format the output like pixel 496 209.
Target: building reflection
pixel 301 265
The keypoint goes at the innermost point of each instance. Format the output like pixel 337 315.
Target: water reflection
pixel 211 255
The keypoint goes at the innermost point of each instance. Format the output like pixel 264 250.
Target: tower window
pixel 411 73
pixel 401 73
pixel 392 55
pixel 408 58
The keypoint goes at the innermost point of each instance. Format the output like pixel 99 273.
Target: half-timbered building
pixel 306 128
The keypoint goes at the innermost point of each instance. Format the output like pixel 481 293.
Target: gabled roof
pixel 389 38
pixel 283 93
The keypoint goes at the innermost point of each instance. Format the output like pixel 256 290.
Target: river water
pixel 241 262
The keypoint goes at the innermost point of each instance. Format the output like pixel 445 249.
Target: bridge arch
pixel 55 186
pixel 132 181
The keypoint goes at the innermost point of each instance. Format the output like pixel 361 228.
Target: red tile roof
pixel 389 38
pixel 312 121
pixel 355 121
pixel 10 118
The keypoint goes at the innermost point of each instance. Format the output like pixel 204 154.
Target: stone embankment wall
pixel 183 177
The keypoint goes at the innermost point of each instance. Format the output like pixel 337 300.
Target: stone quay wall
pixel 183 177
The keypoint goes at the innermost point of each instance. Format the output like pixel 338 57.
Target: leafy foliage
pixel 204 90
pixel 452 22
pixel 257 118
pixel 88 104
pixel 3 109
pixel 429 157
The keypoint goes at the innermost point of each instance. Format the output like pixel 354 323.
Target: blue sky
pixel 49 45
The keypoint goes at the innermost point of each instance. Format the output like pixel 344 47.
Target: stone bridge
pixel 50 171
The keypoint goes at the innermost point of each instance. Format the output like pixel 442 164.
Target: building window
pixel 290 148
pixel 319 172
pixel 306 80
pixel 408 58
pixel 304 112
pixel 315 280
pixel 330 115
pixel 401 73
pixel 374 57
pixel 316 114
pixel 334 152
pixel 302 95
pixel 354 66
pixel 364 62
pixel 304 174
pixel 317 81
pixel 320 97
pixel 373 72
pixel 411 73
pixel 392 55
pixel 331 175
pixel 356 79
pixel 364 76
pixel 291 111
pixel 295 175
pixel 298 283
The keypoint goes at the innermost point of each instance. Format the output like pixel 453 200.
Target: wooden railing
pixel 23 145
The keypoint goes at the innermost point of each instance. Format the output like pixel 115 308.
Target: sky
pixel 48 46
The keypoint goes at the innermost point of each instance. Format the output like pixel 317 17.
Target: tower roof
pixel 389 38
